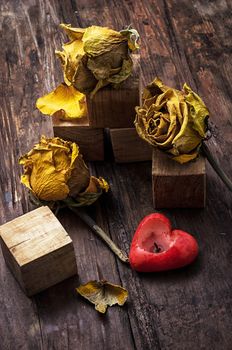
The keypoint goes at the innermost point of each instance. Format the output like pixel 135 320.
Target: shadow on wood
pixel 128 146
pixel 89 139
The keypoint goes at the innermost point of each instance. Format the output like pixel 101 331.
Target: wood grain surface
pixel 177 185
pixel 128 147
pixel 181 41
pixel 38 250
pixel 90 140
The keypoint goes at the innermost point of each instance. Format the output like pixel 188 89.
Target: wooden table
pixel 186 309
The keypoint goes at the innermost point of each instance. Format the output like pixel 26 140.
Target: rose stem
pixel 216 166
pixel 90 222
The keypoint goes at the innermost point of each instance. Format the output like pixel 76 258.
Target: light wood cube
pixel 115 108
pixel 128 146
pixel 178 185
pixel 38 250
pixel 89 139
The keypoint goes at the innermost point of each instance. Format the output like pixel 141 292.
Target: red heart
pixel 155 247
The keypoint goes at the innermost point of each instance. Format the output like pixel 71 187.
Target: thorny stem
pixel 216 166
pixel 90 222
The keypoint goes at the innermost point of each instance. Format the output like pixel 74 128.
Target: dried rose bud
pixel 93 58
pixel 96 56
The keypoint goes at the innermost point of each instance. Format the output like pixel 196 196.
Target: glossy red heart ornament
pixel 155 247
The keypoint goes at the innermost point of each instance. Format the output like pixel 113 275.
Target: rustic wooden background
pixel 186 309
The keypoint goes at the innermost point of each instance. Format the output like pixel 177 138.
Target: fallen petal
pixel 103 294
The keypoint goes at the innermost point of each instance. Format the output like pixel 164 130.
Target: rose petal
pixel 198 110
pixel 70 58
pixel 103 294
pixel 99 40
pixel 73 33
pixel 65 102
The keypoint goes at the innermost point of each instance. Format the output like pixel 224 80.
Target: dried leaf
pixel 172 120
pixel 198 110
pixel 65 102
pixel 132 36
pixel 103 294
pixel 94 190
pixel 124 73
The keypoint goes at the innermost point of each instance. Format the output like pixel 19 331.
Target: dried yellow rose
pixel 97 56
pixel 93 58
pixel 174 121
pixel 54 170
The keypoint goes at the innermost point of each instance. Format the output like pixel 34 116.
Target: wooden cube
pixel 38 250
pixel 115 108
pixel 178 185
pixel 128 146
pixel 89 139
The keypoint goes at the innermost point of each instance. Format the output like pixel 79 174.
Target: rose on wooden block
pixel 54 171
pixel 96 56
pixel 174 121
pixel 93 58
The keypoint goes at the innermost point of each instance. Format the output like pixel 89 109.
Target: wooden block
pixel 178 185
pixel 89 139
pixel 115 108
pixel 128 146
pixel 38 250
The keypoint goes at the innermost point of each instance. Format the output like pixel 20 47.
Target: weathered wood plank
pixel 61 322
pixel 73 321
pixel 177 185
pixel 187 319
pixel 23 53
pixel 129 147
pixel 90 140
pixel 190 308
pixel 177 309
